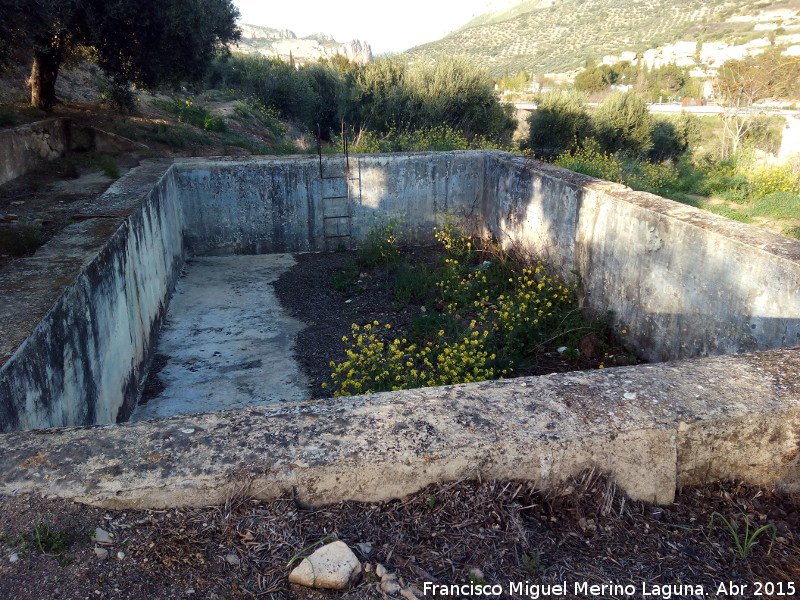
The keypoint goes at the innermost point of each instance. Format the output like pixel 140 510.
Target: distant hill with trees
pixel 540 36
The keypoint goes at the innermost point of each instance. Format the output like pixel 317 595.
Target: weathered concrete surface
pixel 227 340
pixel 654 427
pixel 78 317
pixel 22 148
pixel 275 204
pixel 681 281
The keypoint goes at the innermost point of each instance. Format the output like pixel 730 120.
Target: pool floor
pixel 226 342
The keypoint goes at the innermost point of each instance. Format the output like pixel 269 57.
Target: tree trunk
pixel 43 78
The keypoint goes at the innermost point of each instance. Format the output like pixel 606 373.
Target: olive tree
pixel 143 42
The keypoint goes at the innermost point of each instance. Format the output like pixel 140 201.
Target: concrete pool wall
pixel 79 318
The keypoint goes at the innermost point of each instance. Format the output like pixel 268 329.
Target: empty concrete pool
pixel 84 318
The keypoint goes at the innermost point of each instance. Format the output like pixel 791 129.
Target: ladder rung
pixel 334 197
pixel 336 177
pixel 337 217
pixel 330 237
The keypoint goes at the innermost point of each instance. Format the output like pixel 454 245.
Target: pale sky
pixel 387 26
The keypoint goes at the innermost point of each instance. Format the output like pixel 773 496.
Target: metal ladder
pixel 337 205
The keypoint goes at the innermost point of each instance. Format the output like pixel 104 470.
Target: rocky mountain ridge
pixel 284 43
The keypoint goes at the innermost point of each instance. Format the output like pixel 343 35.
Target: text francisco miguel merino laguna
pixel 520 589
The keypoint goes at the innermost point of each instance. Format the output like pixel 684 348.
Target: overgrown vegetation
pixel 21 240
pixel 382 100
pixel 483 313
pixel 679 156
pixel 145 44
pixel 189 112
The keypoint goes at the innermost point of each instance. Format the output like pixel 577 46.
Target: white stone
pixel 101 553
pixel 365 548
pixel 13 558
pixel 120 555
pixel 381 571
pixel 333 567
pixel 101 536
pixel 390 586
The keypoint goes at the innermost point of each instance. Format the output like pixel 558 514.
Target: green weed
pixel 106 163
pixel 776 205
pixel 382 244
pixel 532 563
pixel 748 539
pixel 45 540
pixel 412 284
pixel 345 280
pixel 300 555
pixel 792 232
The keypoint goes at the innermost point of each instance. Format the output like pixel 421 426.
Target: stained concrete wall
pixel 276 205
pixel 77 320
pixel 681 281
pixel 102 289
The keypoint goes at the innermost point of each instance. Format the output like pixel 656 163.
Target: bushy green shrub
pixel 592 161
pixel 623 123
pixel 383 96
pixel 194 114
pixel 559 123
pixel 672 137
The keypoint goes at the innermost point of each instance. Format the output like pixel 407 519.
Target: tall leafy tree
pixel 741 83
pixel 144 42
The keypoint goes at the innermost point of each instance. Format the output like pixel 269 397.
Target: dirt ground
pixel 497 533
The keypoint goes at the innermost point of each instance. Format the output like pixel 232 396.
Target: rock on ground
pixel 334 567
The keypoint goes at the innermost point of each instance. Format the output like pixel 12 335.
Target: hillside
pixel 282 43
pixel 542 36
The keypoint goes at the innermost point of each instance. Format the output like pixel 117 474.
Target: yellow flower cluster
pixel 652 177
pixel 376 364
pixel 495 313
pixel 767 180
